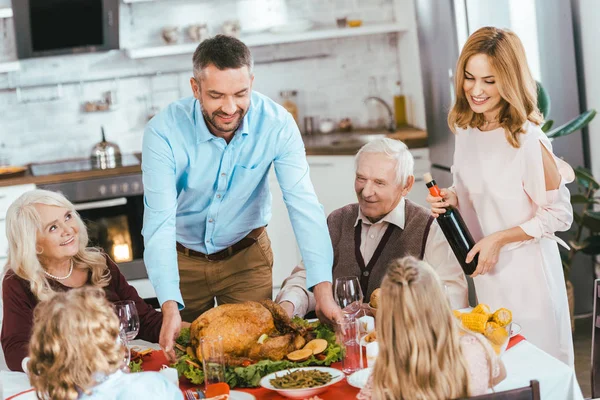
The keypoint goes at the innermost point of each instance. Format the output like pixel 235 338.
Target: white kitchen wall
pixel 46 123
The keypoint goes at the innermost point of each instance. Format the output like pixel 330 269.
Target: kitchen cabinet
pixel 333 179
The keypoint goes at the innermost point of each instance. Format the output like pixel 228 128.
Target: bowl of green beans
pixel 300 383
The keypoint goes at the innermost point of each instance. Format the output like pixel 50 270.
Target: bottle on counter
pixel 289 103
pixel 455 230
pixel 399 106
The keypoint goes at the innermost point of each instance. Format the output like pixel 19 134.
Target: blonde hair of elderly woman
pixel 516 86
pixel 74 342
pixel 420 355
pixel 22 226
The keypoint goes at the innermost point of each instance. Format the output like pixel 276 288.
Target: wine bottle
pixel 455 230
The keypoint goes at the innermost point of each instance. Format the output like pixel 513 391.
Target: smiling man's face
pixel 376 187
pixel 224 96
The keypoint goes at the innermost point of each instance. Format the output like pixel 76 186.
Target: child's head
pixel 417 337
pixel 74 342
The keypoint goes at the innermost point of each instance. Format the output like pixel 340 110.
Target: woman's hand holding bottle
pixel 439 204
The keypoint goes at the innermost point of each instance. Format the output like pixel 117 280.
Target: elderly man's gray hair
pixel 394 149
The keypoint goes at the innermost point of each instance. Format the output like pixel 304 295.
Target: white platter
pixel 305 392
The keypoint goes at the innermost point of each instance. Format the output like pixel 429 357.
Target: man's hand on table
pixel 327 309
pixel 170 329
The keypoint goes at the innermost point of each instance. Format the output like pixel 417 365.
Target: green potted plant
pixel 584 235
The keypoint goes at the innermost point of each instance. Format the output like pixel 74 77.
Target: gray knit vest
pixel 409 241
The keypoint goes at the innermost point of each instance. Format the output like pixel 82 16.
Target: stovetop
pixel 78 165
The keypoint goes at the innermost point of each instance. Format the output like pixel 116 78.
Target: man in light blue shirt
pixel 205 164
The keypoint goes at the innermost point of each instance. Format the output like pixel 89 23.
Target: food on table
pixel 300 355
pixel 302 379
pixel 494 326
pixel 502 317
pixel 317 346
pixel 137 355
pixel 482 309
pixel 242 325
pixel 474 321
pixel 371 337
pixel 498 335
pixel 375 298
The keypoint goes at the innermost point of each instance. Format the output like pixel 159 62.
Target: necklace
pixel 61 278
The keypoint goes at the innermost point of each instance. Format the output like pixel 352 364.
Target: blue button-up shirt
pixel 207 194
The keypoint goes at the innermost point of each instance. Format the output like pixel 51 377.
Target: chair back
pixel 531 392
pixel 596 342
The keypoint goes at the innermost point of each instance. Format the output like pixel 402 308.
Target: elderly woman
pixel 48 253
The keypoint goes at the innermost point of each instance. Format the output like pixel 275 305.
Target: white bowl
pixel 302 393
pixel 359 378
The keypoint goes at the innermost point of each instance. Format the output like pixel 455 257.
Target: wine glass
pixel 124 348
pixel 129 319
pixel 348 295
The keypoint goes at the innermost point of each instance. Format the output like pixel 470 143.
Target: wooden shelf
pixel 10 66
pixel 264 39
pixel 6 12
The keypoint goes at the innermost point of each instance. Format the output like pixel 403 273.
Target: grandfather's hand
pixel 170 329
pixel 288 307
pixel 488 249
pixel 327 309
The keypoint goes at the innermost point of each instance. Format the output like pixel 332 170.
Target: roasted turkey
pixel 242 325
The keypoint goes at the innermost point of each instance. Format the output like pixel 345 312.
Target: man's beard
pixel 212 120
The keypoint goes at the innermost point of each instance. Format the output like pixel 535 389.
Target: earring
pixel 38 251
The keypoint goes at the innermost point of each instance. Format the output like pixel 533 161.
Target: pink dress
pixel 478 362
pixel 501 187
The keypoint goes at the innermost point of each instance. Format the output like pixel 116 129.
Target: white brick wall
pixel 34 129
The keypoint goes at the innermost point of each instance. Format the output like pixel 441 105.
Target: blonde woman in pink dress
pixel 510 189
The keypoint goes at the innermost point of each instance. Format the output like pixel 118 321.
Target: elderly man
pixel 383 226
pixel 205 164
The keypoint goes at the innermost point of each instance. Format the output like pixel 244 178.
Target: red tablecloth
pixel 341 390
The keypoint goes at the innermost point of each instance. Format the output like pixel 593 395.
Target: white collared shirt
pixel 437 253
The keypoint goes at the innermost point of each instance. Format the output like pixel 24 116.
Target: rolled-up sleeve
pixel 306 214
pixel 554 212
pixel 160 207
pixel 294 290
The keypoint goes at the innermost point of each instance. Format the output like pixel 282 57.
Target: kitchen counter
pixel 335 143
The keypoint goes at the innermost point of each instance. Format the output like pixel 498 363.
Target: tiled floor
pixel 582 341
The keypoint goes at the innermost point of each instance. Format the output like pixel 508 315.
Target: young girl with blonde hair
pixel 75 352
pixel 510 189
pixel 423 354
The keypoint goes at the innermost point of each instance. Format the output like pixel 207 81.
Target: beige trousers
pixel 245 276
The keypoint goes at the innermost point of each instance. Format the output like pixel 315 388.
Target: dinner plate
pixel 303 392
pixel 237 395
pixel 359 378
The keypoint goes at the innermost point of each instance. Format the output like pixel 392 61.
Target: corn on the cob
pixel 474 322
pixel 502 316
pixel 456 313
pixel 497 336
pixel 490 326
pixel 482 309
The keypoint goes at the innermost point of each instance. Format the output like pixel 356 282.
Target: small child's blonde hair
pixel 74 343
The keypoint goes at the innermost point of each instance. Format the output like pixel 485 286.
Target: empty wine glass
pixel 348 295
pixel 128 317
pixel 122 342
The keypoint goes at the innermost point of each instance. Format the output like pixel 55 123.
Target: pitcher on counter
pixel 205 165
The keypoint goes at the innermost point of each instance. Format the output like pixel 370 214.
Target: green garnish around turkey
pixel 302 379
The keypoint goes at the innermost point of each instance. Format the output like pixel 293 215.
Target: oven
pixel 112 209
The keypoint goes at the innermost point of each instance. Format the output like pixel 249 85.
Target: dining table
pixel 523 361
